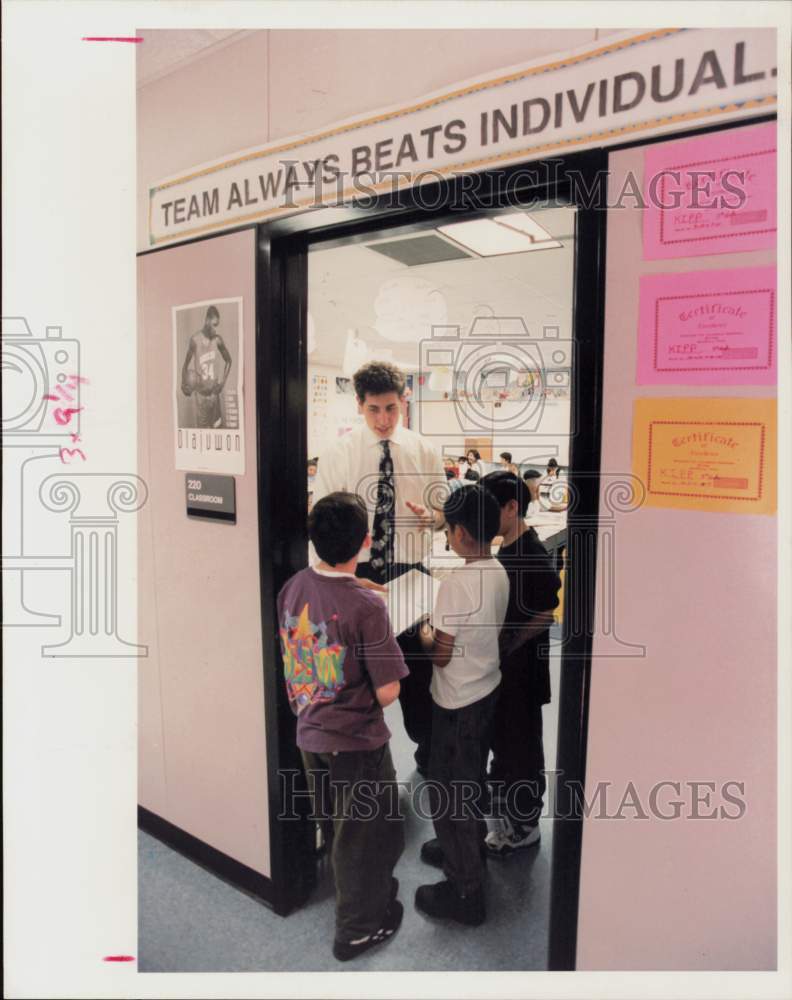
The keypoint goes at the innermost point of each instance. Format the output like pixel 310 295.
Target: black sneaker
pixel 432 853
pixel 345 950
pixel 442 900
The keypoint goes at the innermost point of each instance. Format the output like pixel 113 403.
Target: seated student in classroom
pixel 553 498
pixel 342 666
pixel 532 478
pixel 517 748
pixel 473 462
pixel 463 643
pixel 507 463
pixel 450 466
pixel 453 482
pixel 553 493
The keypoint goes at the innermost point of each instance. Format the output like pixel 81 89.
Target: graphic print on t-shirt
pixel 312 665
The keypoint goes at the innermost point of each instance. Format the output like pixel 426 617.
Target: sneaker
pixel 500 843
pixel 442 900
pixel 345 950
pixel 432 853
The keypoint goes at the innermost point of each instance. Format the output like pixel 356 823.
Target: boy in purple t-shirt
pixel 342 666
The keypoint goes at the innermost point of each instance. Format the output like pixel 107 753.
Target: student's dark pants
pixel 457 788
pixel 414 694
pixel 517 770
pixel 358 790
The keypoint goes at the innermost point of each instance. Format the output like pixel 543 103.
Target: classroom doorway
pixel 298 337
pixel 479 316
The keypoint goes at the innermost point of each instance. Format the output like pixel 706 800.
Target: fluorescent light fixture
pixel 513 233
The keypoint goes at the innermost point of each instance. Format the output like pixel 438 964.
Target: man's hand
pixel 426 518
pixel 371 585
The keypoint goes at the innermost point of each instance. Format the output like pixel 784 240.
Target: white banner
pixel 635 85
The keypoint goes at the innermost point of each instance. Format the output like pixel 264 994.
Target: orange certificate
pixel 706 454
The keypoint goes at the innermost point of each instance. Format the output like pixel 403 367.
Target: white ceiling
pixel 343 284
pixel 164 51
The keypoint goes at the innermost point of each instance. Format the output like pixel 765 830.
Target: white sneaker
pixel 500 843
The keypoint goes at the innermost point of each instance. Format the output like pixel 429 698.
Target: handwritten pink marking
pixel 119 958
pixel 63 416
pixel 71 451
pixel 97 39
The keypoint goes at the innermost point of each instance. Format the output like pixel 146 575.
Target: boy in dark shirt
pixel 342 666
pixel 517 750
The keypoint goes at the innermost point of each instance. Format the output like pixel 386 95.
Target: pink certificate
pixel 708 328
pixel 713 194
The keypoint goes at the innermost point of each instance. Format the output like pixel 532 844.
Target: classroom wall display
pixel 332 408
pixel 318 398
pixel 706 454
pixel 209 432
pixel 708 328
pixel 705 196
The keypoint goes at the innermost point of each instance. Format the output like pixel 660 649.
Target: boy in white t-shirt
pixel 469 610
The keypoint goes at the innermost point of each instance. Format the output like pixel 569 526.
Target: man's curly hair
pixel 378 377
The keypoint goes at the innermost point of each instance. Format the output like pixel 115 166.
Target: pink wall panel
pixel 698 591
pixel 202 747
pixel 151 754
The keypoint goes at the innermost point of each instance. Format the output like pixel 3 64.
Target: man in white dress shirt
pixel 400 477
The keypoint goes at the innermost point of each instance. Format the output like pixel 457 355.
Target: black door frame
pixel 282 432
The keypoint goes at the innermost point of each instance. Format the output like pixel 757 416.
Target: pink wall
pixel 271 84
pixel 203 762
pixel 699 591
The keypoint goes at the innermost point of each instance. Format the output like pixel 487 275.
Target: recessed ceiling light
pixel 425 248
pixel 513 233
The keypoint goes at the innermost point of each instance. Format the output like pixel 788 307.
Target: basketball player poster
pixel 207 387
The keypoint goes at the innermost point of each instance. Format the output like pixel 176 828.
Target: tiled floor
pixel 191 921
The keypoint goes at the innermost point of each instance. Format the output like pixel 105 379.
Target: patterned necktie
pixel 384 515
